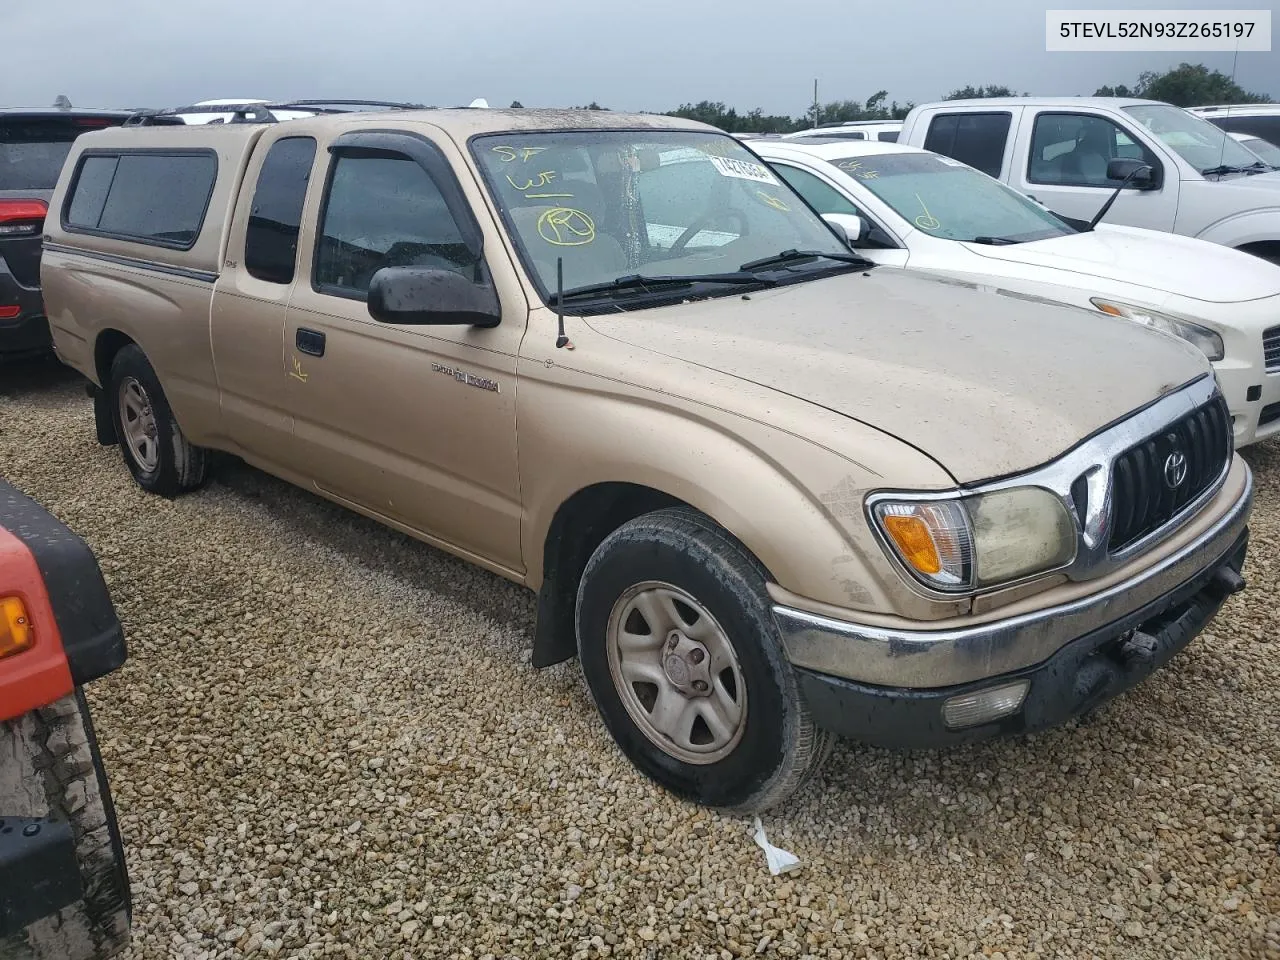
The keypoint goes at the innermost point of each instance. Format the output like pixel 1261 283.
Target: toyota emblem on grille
pixel 1175 469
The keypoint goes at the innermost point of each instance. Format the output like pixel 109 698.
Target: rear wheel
pixel 154 448
pixel 684 662
pixel 50 766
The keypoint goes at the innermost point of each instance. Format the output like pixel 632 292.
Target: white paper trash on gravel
pixel 780 861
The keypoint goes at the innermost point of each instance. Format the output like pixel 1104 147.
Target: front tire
pixel 684 662
pixel 154 448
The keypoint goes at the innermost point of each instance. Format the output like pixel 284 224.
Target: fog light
pixel 972 709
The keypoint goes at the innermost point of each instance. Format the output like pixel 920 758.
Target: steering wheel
pixel 706 220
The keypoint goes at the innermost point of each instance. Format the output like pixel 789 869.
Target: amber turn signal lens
pixel 15 627
pixel 914 542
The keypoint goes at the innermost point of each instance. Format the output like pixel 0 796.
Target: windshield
pixel 1197 141
pixel 945 198
pixel 659 203
pixel 1269 152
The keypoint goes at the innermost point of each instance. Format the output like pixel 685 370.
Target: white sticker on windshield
pixel 949 161
pixel 742 169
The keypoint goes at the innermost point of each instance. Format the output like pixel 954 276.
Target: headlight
pixel 1209 343
pixel 981 541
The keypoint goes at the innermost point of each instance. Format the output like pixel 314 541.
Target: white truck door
pixel 1062 156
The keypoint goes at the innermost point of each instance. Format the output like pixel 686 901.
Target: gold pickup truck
pixel 766 492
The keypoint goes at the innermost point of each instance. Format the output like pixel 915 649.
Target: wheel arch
pixel 1266 249
pixel 578 526
pixel 106 345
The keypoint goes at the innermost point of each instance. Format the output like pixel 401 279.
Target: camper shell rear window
pixel 155 197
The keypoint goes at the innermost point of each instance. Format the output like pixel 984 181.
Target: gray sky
pixel 638 55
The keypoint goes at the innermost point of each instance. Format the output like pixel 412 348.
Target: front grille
pixel 1270 412
pixel 1144 494
pixel 1271 348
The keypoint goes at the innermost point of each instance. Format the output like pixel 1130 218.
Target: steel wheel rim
pixel 138 424
pixel 677 673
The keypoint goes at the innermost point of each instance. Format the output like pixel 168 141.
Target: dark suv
pixel 33 144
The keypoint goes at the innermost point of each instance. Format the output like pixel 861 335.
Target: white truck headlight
pixel 963 544
pixel 1206 340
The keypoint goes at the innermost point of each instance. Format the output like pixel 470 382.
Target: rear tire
pixel 155 450
pixel 685 664
pixel 50 766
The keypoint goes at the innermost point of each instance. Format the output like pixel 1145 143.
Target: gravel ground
pixel 328 741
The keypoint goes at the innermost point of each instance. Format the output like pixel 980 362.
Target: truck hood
pixel 1163 262
pixel 986 384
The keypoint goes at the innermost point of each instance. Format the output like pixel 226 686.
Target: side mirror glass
pixel 427 295
pixel 854 228
pixel 1140 174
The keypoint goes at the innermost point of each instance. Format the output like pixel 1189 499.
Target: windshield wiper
pixel 996 241
pixel 1224 169
pixel 795 256
pixel 636 282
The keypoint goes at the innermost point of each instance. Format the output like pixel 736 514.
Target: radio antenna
pixel 561 339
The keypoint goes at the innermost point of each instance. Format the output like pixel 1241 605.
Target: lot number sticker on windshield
pixel 742 170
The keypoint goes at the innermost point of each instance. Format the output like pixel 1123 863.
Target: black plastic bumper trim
pixel 39 872
pixel 1083 674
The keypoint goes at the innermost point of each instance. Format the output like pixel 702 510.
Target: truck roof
pixel 465 122
pixel 1110 103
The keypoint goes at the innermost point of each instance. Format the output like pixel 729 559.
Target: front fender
pixel 793 501
pixel 1251 226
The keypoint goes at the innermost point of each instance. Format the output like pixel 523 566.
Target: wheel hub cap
pixel 676 672
pixel 138 424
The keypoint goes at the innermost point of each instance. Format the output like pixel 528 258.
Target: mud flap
pixel 102 422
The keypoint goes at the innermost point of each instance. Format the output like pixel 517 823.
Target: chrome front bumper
pixel 926 659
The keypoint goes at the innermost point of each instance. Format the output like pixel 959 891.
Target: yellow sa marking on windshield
pixel 856 169
pixel 511 153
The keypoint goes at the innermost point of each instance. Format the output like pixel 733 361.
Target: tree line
pixel 1187 85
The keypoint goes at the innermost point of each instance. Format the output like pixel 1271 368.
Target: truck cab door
pixel 251 297
pixel 413 424
pixel 1063 157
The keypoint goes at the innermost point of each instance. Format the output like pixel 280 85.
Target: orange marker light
pixel 1108 308
pixel 914 542
pixel 15 627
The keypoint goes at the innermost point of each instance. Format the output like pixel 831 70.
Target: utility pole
pixel 815 102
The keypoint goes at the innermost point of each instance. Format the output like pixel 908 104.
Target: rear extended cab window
pixel 977 139
pixel 155 197
pixel 275 218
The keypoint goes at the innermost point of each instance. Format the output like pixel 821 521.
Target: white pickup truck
pixel 1202 183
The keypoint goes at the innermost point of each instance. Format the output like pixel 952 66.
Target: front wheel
pixel 684 662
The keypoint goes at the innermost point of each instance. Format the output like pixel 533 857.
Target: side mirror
pixel 427 295
pixel 854 228
pixel 1140 174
